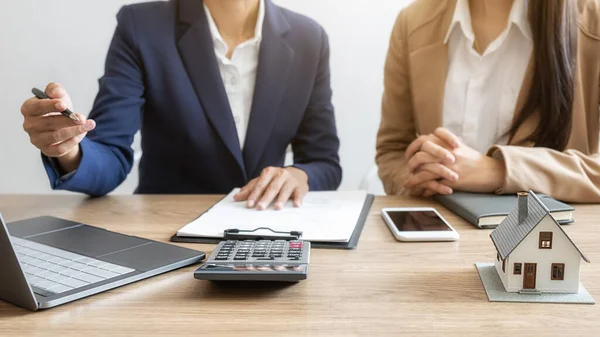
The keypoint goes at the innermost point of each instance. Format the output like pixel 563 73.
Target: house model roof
pixel 510 233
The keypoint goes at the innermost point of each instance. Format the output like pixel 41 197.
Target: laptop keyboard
pixel 53 271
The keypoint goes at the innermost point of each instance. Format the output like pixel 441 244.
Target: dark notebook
pixel 488 210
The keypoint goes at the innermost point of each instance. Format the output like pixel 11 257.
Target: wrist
pixel 298 174
pixel 70 161
pixel 498 174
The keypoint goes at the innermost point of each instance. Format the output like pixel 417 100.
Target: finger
pixel 285 194
pixel 261 184
pixel 419 159
pixel 441 171
pixel 448 137
pixel 415 147
pixel 35 107
pixel 49 123
pixel 272 191
pixel 298 196
pixel 55 90
pixel 429 194
pixel 436 187
pixel 439 152
pixel 47 139
pixel 416 192
pixel 244 193
pixel 419 178
pixel 446 182
pixel 63 148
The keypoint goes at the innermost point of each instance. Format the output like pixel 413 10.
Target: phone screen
pixel 418 221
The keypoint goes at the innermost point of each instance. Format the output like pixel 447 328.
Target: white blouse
pixel 481 90
pixel 239 72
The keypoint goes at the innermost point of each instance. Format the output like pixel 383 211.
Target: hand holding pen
pixel 49 130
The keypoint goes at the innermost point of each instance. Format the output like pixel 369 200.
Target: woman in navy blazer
pixel 162 76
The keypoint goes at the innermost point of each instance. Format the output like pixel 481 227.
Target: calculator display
pixel 264 268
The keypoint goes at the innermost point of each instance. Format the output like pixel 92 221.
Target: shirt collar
pixel 216 35
pixel 462 18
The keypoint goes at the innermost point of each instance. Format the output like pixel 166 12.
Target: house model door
pixel 530 275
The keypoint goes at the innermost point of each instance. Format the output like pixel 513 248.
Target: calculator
pixel 257 260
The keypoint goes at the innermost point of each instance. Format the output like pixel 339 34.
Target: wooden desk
pixel 382 288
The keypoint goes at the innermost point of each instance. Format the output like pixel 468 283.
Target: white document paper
pixel 323 217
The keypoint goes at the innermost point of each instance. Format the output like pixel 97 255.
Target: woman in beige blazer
pixel 493 96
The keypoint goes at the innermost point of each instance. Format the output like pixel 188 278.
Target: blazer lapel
pixel 531 123
pixel 197 52
pixel 429 68
pixel 275 60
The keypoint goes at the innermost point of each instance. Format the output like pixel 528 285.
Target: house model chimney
pixel 523 206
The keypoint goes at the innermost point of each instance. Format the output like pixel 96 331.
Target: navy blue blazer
pixel 162 77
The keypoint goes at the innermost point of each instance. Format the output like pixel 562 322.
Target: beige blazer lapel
pixel 531 123
pixel 429 67
pixel 581 124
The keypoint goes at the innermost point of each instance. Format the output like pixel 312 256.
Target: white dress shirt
pixel 239 72
pixel 481 90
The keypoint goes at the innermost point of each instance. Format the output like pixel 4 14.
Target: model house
pixel 534 254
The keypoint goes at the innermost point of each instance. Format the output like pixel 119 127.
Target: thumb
pixel 55 91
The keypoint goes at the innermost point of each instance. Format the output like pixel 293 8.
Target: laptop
pixel 48 261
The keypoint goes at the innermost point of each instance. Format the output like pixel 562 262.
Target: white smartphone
pixel 418 224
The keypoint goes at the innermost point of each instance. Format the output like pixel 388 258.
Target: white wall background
pixel 66 41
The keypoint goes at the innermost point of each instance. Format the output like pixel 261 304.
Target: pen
pixel 67 113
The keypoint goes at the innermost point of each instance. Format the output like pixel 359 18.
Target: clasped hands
pixel 440 163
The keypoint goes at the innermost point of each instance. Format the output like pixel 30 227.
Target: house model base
pixel 496 292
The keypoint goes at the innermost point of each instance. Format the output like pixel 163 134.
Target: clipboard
pixel 351 244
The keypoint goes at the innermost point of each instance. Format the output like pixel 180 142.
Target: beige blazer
pixel 415 75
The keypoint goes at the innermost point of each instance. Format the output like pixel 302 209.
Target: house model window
pixel 545 240
pixel 558 271
pixel 517 269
